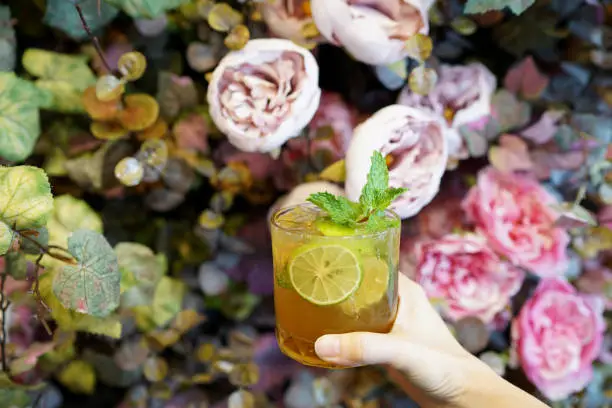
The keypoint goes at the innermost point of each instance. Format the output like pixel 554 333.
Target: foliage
pixel 135 259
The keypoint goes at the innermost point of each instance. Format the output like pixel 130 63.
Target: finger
pixel 362 348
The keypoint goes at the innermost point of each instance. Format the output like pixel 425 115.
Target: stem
pixel 38 296
pixel 48 250
pixel 4 305
pixel 93 39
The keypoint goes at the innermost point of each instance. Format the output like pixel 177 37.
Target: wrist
pixel 483 387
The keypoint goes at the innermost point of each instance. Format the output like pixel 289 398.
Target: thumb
pixel 363 348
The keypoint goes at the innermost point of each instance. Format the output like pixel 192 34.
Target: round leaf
pixel 155 369
pixel 64 76
pixel 62 15
pixel 7 235
pixel 79 377
pixel 16 265
pixel 92 285
pixel 145 8
pixel 19 117
pixel 26 195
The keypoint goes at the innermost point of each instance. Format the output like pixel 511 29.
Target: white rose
pixel 415 141
pixel 264 94
pixel 290 19
pixel 462 96
pixel 372 31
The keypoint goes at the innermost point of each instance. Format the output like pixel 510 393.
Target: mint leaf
pixel 375 197
pixel 380 222
pixel 389 195
pixel 376 194
pixel 340 210
pixel 377 182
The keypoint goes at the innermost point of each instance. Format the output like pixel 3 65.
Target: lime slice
pixel 330 229
pixel 325 274
pixel 373 287
pixel 282 279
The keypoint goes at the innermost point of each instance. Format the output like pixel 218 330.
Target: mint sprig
pixel 369 212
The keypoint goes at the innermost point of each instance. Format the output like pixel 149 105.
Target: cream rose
pixel 290 19
pixel 264 94
pixel 372 31
pixel 413 142
pixel 462 96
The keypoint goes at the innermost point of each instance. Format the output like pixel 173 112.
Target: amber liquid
pixel 299 323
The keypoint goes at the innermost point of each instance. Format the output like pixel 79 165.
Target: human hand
pixel 420 345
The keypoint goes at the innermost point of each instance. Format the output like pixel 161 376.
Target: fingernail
pixel 328 346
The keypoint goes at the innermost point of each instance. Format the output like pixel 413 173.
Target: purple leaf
pixel 544 129
pixel 525 80
pixel 274 367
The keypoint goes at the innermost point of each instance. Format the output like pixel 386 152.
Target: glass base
pixel 302 350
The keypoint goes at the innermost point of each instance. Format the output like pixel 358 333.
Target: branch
pixel 93 39
pixel 4 305
pixel 49 250
pixel 39 298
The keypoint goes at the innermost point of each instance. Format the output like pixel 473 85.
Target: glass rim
pixel 274 223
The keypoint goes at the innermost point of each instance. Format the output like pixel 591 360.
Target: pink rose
pixel 514 213
pixel 413 142
pixel 264 94
pixel 557 336
pixel 291 19
pixel 372 31
pixel 329 132
pixel 462 96
pixel 467 276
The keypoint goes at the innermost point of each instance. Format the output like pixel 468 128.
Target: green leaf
pixel 140 271
pixel 69 320
pixel 79 377
pixel 16 265
pixel 146 8
pixel 19 116
pixel 389 195
pixel 376 194
pixel 64 76
pixel 340 210
pixel 377 183
pixel 167 302
pixel 572 215
pixel 482 6
pixel 62 14
pixel 380 222
pixel 14 398
pixel 26 197
pixel 69 215
pixel 7 236
pixel 92 285
pixel 509 111
pixel 8 40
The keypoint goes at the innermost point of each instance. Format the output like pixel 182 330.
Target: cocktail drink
pixel 335 265
pixel 331 278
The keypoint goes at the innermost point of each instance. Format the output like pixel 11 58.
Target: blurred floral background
pixel 144 143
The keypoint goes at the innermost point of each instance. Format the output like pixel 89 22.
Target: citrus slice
pixel 373 287
pixel 325 274
pixel 331 229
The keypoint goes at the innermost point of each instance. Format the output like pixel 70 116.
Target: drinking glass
pixel 330 280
